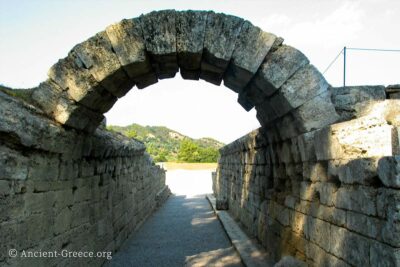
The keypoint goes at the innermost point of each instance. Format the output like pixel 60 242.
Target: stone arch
pixel 290 95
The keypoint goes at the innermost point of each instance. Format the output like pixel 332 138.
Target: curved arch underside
pixel 290 95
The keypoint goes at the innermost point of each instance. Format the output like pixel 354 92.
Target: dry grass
pixel 188 166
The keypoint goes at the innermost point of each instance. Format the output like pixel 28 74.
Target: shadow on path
pixel 183 232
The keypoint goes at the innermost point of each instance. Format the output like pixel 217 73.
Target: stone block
pixel 283 215
pixel 319 257
pixel 33 230
pixel 349 246
pixel 315 114
pixel 365 225
pixel 342 140
pixel 80 214
pixel 315 171
pixel 127 40
pixel 265 113
pixel 43 167
pixel 332 215
pixel 5 188
pixel 70 74
pixel 389 171
pixel 98 57
pixel 390 233
pixel 69 170
pixel 287 127
pixel 252 45
pixel 319 232
pixel 38 202
pixel 13 165
pixel 159 31
pixel 357 198
pixel 220 38
pixel 359 171
pixel 276 69
pixel 46 96
pixel 387 202
pixel 303 86
pixel 190 31
pixel 245 102
pixel 62 221
pixel 253 94
pixel 306 146
pixel 384 256
pixel 55 103
pixel 298 222
pixel 63 198
pixel 350 101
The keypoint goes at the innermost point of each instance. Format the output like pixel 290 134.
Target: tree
pixel 209 154
pixel 188 151
pixel 131 133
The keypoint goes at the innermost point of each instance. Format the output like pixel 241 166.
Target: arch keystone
pixel 159 33
pixel 190 30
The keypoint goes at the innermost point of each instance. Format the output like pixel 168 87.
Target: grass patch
pixel 23 94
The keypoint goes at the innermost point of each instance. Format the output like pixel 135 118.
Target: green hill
pixel 164 144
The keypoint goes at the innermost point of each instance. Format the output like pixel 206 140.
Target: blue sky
pixel 35 34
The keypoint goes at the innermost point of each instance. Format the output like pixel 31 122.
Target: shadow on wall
pixel 331 195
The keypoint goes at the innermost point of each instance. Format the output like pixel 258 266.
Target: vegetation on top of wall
pixel 24 94
pixel 164 144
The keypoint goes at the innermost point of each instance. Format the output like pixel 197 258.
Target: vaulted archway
pixel 301 188
pixel 290 95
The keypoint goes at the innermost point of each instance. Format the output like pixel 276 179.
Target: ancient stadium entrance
pixel 318 181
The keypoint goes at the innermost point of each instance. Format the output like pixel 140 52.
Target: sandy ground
pixel 187 166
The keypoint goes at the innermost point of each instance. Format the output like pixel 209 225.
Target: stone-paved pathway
pixel 183 232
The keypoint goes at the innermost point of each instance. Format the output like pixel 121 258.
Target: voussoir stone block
pixel 55 103
pixel 127 40
pixel 252 45
pixel 219 42
pixel 316 113
pixel 159 31
pixel 265 113
pixel 303 86
pixel 278 66
pixel 190 31
pixel 71 75
pixel 98 57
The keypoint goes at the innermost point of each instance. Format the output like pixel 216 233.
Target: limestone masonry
pixel 329 197
pixel 319 180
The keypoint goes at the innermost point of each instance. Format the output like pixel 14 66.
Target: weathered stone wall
pixel 329 197
pixel 63 190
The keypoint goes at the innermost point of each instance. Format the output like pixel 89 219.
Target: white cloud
pixel 335 29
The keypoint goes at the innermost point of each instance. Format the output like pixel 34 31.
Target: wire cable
pixel 373 49
pixel 333 61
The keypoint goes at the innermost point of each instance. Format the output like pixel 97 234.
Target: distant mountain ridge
pixel 165 144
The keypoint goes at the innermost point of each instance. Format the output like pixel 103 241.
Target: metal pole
pixel 344 67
